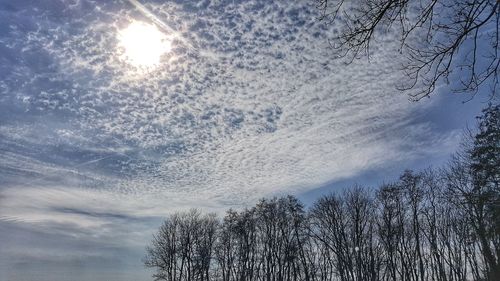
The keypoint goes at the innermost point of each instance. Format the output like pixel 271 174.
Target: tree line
pixel 438 224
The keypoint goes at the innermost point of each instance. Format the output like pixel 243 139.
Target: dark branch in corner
pixel 438 38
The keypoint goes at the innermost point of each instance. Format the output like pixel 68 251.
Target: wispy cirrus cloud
pixel 256 106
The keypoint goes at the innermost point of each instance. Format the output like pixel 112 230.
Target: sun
pixel 142 44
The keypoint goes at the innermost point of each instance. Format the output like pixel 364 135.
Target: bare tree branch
pixel 438 38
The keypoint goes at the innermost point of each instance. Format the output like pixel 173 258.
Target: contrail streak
pixel 158 22
pixel 147 13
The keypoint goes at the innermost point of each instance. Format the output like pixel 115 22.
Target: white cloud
pixel 93 153
pixel 261 107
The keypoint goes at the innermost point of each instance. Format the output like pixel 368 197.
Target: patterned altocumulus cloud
pixel 252 105
pixel 249 102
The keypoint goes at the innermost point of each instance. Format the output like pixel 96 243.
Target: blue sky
pixel 249 103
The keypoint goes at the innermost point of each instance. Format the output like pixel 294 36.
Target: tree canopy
pixel 438 224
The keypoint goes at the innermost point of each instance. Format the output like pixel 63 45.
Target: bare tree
pixel 389 230
pixel 437 37
pixel 328 226
pixel 182 248
pixel 359 209
pixel 411 185
pixel 433 225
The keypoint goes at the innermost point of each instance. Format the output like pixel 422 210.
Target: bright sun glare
pixel 143 44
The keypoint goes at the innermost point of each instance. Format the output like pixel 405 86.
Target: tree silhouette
pixel 437 37
pixel 440 224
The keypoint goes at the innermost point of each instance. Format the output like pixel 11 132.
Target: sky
pixel 247 102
